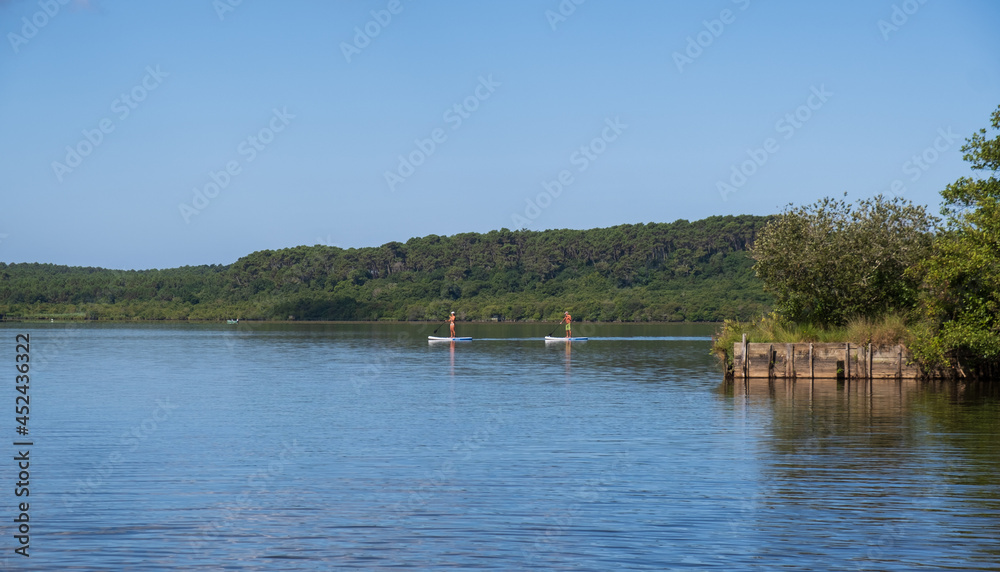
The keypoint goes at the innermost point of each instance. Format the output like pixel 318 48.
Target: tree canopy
pixel 680 271
pixel 832 260
pixel 961 295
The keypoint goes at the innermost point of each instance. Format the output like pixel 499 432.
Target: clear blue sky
pixel 644 108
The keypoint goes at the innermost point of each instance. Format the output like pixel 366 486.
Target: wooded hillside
pixel 680 271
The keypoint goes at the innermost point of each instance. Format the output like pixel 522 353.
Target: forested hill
pixel 693 271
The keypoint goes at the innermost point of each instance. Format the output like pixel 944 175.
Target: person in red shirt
pixel 566 320
pixel 451 324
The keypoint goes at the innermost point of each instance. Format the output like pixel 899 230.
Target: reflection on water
pixel 569 355
pixel 567 349
pixel 363 446
pixel 912 466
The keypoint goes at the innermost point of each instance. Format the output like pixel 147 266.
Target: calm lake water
pixel 326 447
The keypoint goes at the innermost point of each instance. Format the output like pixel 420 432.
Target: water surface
pixel 339 446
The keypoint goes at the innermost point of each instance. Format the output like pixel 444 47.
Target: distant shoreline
pixel 242 321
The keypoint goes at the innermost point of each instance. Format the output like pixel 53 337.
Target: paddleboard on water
pixel 564 339
pixel 437 339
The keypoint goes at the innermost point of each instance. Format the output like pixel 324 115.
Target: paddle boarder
pixel 451 324
pixel 566 320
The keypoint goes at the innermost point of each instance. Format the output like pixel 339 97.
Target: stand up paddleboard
pixel 437 339
pixel 564 339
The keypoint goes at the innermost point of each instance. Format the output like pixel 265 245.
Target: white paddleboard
pixel 564 339
pixel 437 339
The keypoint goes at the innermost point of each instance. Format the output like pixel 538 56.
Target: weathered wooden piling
pixel 822 361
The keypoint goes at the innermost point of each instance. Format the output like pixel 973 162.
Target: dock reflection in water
pixel 905 471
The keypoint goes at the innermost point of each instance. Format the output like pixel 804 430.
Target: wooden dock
pixel 822 361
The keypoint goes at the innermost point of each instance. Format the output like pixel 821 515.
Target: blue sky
pixel 162 134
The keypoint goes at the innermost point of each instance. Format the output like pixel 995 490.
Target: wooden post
pixel 847 363
pixel 746 359
pixel 862 362
pixel 871 362
pixel 790 361
pixel 812 364
pixel 770 361
pixel 899 362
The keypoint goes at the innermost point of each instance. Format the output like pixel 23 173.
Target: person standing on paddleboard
pixel 566 320
pixel 451 324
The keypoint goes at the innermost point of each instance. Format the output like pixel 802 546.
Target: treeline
pixel 680 271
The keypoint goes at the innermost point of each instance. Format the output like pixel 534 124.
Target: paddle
pixel 437 328
pixel 553 331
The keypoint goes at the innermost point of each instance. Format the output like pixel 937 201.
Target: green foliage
pixel 680 271
pixel 961 298
pixel 831 260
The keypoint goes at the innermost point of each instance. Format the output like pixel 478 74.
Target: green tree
pixel 961 300
pixel 831 260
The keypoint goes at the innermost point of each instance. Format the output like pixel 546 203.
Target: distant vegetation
pixel 680 271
